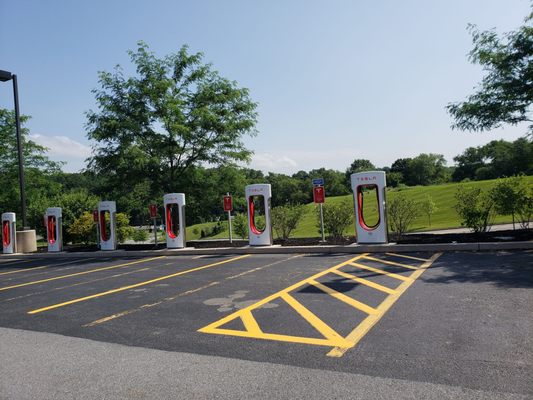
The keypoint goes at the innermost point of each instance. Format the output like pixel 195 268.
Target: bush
pixel 337 217
pixel 124 230
pixel 240 225
pixel 401 214
pixel 82 229
pixel 285 219
pixel 139 235
pixel 509 196
pixel 428 207
pixel 475 207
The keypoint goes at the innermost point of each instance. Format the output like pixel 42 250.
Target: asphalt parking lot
pixel 463 320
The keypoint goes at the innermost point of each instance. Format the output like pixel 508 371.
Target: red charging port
pixel 360 206
pixel 6 233
pixel 51 229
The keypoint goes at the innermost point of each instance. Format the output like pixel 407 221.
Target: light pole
pixel 4 77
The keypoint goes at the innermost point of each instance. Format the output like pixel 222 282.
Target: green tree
pixel 509 195
pixel 475 207
pixel 401 213
pixel 175 113
pixel 426 169
pixel 73 205
pixel 285 219
pixel 505 94
pixel 428 207
pixel 38 171
pixel 124 230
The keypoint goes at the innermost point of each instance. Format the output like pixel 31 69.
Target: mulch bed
pixel 411 238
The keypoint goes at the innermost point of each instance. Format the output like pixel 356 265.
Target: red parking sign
pixel 319 195
pixel 153 210
pixel 228 203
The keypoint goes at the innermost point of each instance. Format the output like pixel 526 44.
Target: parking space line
pixel 391 263
pixel 362 329
pixel 380 271
pixel 365 282
pixel 406 256
pixel 121 289
pixel 187 292
pixel 79 273
pixel 330 336
pixel 44 266
pixel 345 299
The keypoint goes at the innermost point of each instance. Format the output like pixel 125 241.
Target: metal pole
pixel 321 222
pixel 20 155
pixel 155 230
pixel 229 222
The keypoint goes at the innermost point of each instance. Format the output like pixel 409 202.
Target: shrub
pixel 82 229
pixel 240 225
pixel 124 230
pixel 401 214
pixel 428 207
pixel 285 219
pixel 139 235
pixel 337 217
pixel 475 208
pixel 509 195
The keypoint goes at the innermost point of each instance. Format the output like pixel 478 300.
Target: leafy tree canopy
pixel 175 113
pixel 505 94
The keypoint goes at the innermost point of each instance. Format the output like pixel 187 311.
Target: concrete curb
pixel 375 248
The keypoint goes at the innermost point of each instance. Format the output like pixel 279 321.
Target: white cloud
pixel 271 162
pixel 63 148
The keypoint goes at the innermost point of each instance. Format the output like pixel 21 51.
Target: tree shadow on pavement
pixel 503 269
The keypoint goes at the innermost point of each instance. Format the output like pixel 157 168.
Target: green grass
pixel 443 196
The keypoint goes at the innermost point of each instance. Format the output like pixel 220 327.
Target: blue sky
pixel 335 80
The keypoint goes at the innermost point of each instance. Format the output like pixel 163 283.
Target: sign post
pixel 95 220
pixel 153 215
pixel 228 207
pixel 319 197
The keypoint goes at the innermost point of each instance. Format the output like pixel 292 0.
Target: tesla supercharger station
pixel 9 233
pixel 107 212
pixel 53 221
pixel 174 204
pixel 257 236
pixel 370 181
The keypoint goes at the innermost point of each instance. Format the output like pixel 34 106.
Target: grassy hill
pixel 443 195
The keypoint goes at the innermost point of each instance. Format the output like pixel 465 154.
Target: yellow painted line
pixel 391 263
pixel 121 289
pixel 345 299
pixel 191 291
pixel 46 266
pixel 78 273
pixel 405 256
pixel 380 271
pixel 362 329
pixel 365 282
pixel 250 324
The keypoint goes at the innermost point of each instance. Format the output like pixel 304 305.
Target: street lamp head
pixel 5 76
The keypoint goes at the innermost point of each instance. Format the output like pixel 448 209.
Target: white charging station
pixel 107 213
pixel 9 233
pixel 174 204
pixel 257 236
pixel 371 180
pixel 53 220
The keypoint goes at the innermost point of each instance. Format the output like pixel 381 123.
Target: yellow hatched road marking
pixel 365 282
pixel 121 289
pixel 391 263
pixel 78 273
pixel 362 329
pixel 345 299
pixel 342 344
pixel 406 256
pixel 380 271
